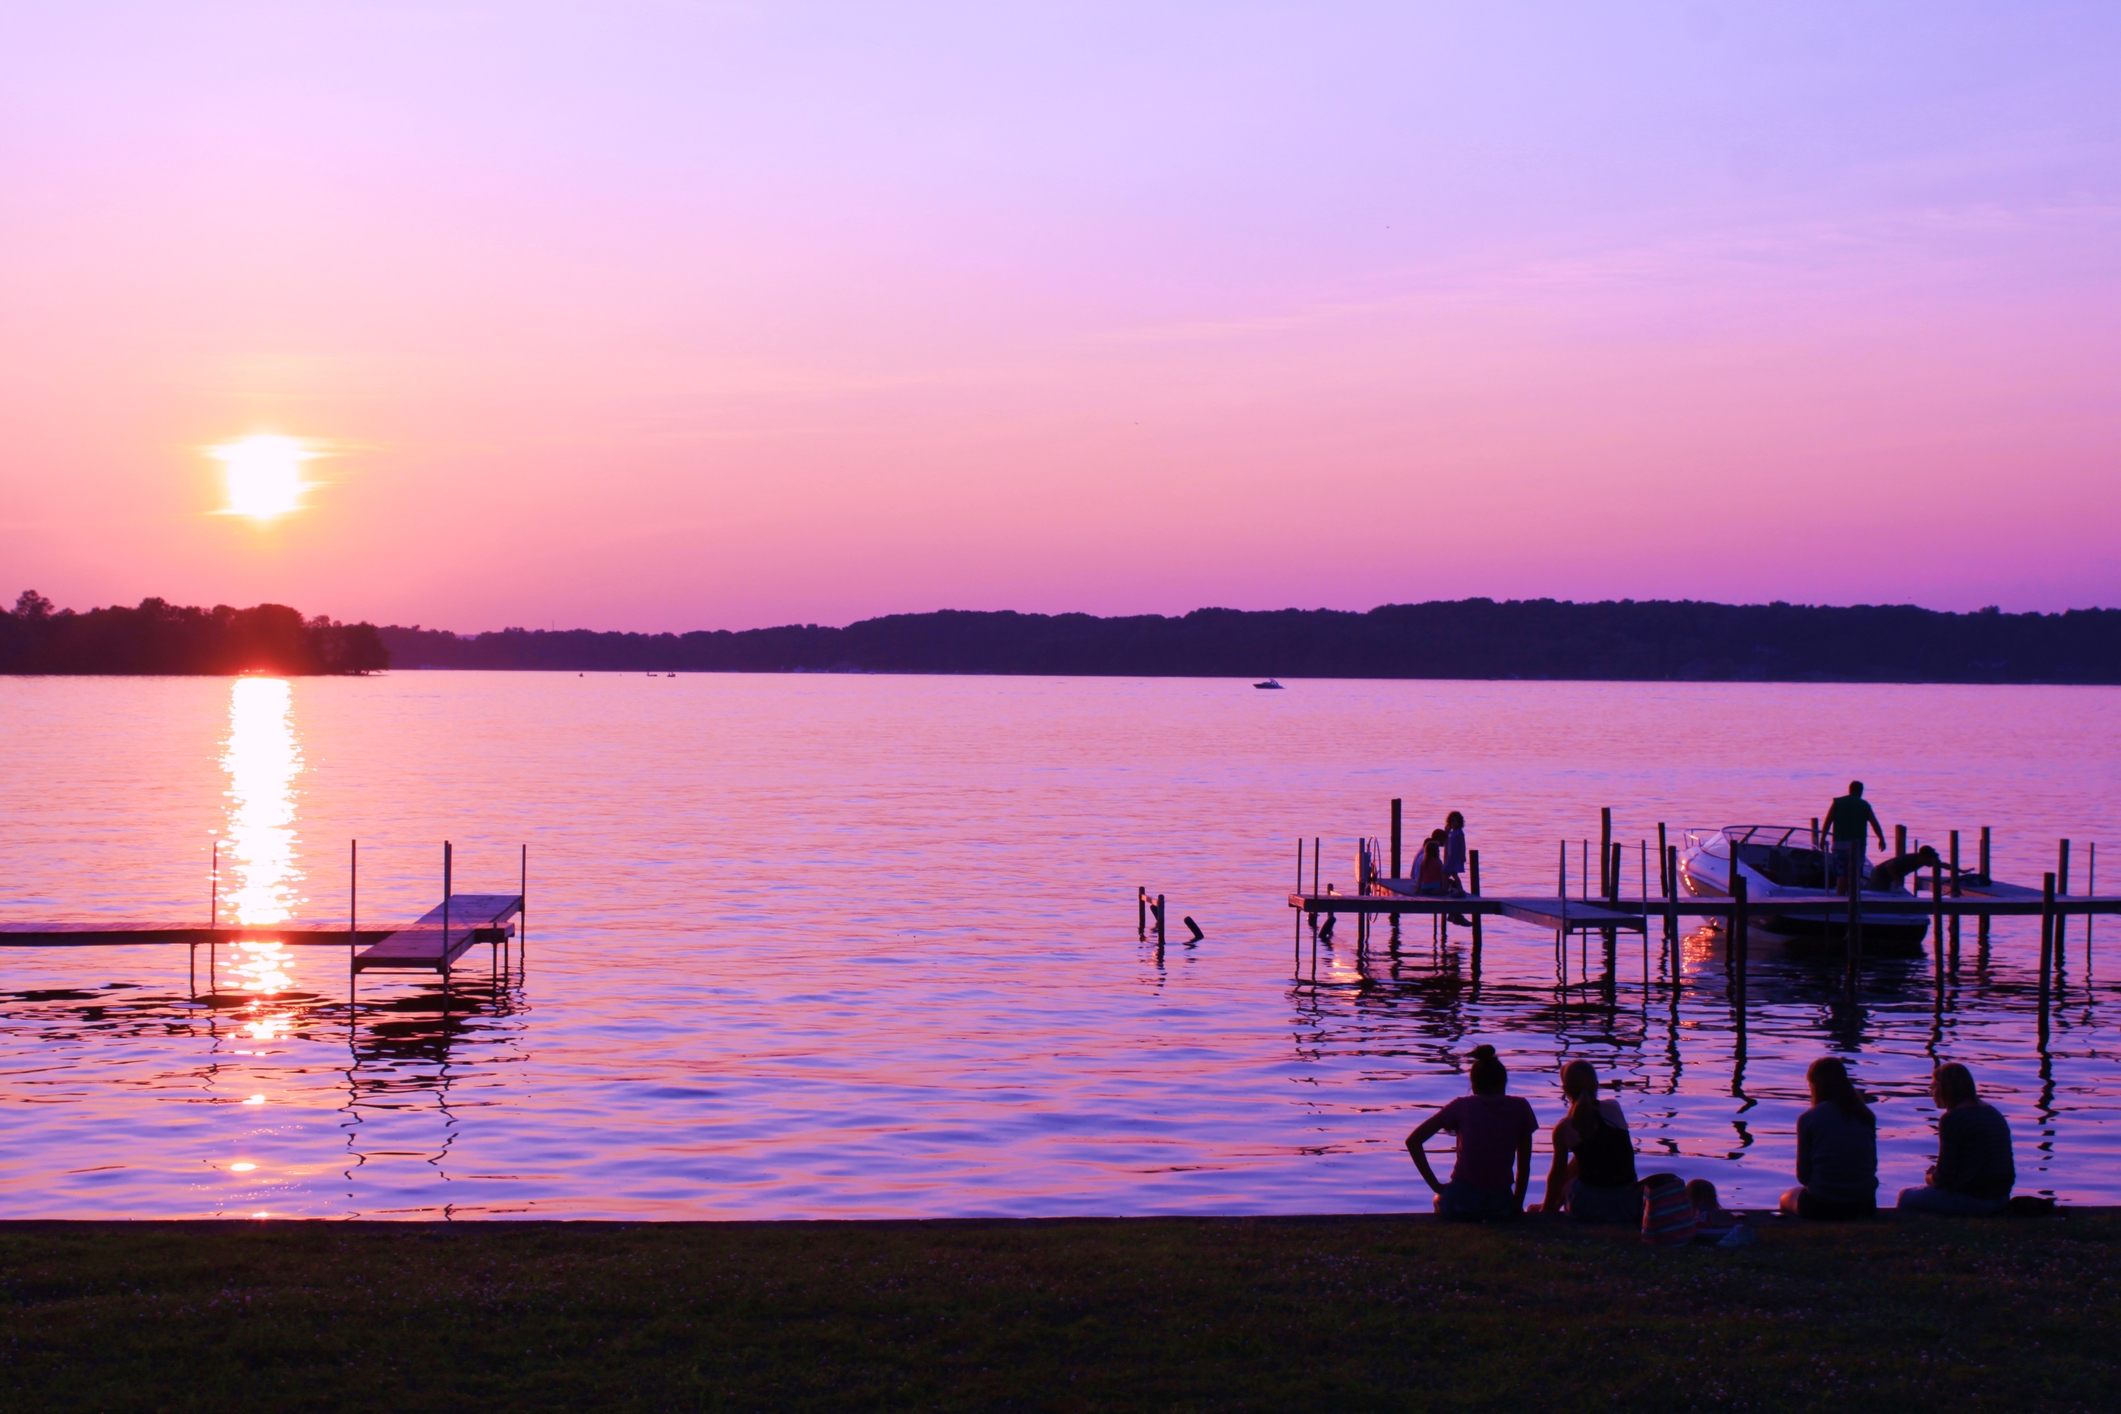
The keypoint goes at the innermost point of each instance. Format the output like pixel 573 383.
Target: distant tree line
pixel 1471 638
pixel 158 637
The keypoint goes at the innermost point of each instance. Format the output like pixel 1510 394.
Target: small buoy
pixel 1197 934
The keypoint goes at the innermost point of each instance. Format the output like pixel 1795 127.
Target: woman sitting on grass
pixel 1974 1170
pixel 1493 1129
pixel 1837 1149
pixel 1593 1178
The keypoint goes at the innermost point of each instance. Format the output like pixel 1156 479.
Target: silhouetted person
pixel 1837 1149
pixel 1974 1170
pixel 1887 877
pixel 1429 875
pixel 1593 1178
pixel 1494 1132
pixel 1849 823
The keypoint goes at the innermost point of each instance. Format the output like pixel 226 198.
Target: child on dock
pixel 1494 1129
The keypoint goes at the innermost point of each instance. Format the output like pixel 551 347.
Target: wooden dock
pixel 424 945
pixel 2001 901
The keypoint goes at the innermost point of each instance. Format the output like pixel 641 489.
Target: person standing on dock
pixel 1850 822
pixel 1454 851
pixel 1454 862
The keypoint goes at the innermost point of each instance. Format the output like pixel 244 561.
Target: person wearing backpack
pixel 1837 1149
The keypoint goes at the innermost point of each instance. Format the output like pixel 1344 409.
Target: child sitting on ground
pixel 1710 1216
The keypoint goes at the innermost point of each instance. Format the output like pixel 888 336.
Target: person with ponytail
pixel 1593 1178
pixel 1837 1149
pixel 1495 1129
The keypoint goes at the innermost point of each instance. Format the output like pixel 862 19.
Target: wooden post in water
pixel 2047 944
pixel 1981 933
pixel 1899 840
pixel 1855 916
pixel 1395 836
pixel 1473 868
pixel 1315 843
pixel 213 908
pixel 1740 937
pixel 1605 852
pixel 1663 879
pixel 1562 902
pixel 2061 920
pixel 447 861
pixel 1642 869
pixel 1141 898
pixel 1937 926
pixel 1671 917
pixel 1957 892
pixel 2091 886
pixel 353 916
pixel 523 909
pixel 1159 920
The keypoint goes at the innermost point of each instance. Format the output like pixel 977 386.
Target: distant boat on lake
pixel 1268 683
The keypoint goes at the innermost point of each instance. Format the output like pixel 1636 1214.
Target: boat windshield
pixel 1788 855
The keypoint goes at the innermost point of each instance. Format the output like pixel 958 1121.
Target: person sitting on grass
pixel 1709 1213
pixel 1593 1177
pixel 1494 1130
pixel 1837 1149
pixel 1974 1170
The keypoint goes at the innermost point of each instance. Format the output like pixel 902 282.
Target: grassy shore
pixel 1093 1314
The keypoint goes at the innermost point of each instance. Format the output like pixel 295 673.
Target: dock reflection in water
pixel 817 946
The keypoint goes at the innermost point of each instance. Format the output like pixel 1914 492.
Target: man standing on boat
pixel 1850 820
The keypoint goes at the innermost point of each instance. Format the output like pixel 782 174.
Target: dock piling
pixel 448 852
pixel 1395 836
pixel 2047 945
pixel 1671 917
pixel 1981 930
pixel 1741 936
pixel 1473 868
pixel 1956 893
pixel 1605 850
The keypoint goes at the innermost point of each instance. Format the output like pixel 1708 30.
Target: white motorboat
pixel 1788 861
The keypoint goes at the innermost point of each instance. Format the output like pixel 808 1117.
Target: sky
pixel 687 315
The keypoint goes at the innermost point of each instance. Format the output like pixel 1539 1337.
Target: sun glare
pixel 264 474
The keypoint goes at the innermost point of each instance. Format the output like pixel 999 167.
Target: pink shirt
pixel 1489 1128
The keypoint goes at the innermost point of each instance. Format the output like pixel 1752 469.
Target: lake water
pixel 865 946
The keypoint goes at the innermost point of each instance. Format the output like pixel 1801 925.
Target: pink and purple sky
pixel 672 315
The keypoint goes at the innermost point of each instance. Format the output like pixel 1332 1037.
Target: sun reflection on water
pixel 262 759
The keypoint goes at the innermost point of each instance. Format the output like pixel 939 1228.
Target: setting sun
pixel 264 474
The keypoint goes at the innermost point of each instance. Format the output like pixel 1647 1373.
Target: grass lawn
pixel 1091 1314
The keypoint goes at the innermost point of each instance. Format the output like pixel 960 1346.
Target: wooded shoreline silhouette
pixel 159 638
pixel 1612 641
pixel 1655 640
